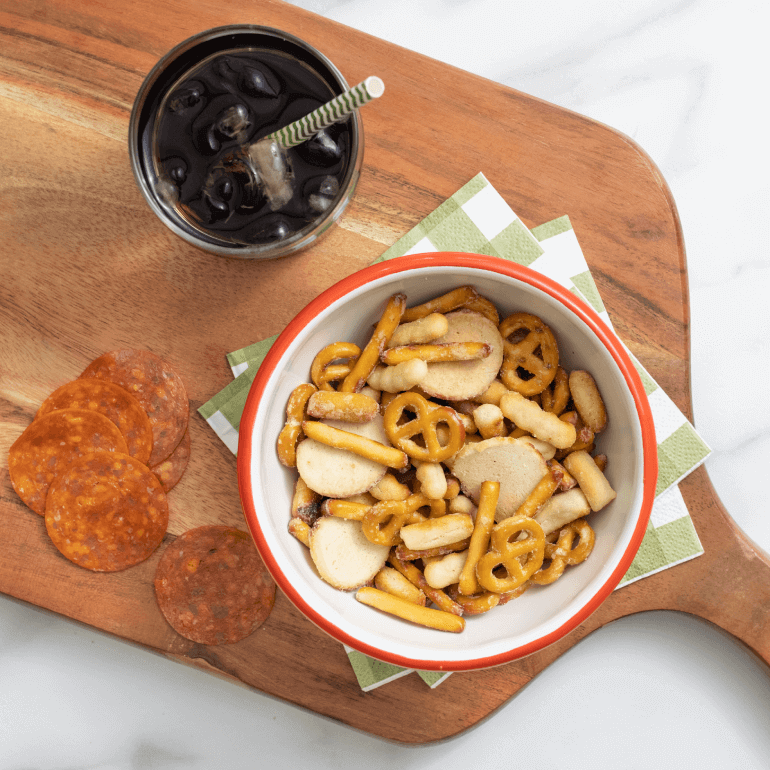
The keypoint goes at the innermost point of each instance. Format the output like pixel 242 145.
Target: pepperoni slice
pixel 212 586
pixel 50 443
pixel 170 471
pixel 115 403
pixel 157 388
pixel 106 512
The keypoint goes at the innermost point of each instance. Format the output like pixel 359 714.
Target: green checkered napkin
pixel 476 219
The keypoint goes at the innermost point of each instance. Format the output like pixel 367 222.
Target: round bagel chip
pixel 333 472
pixel 212 586
pixel 50 443
pixel 460 380
pixel 156 386
pixel 115 403
pixel 516 464
pixel 106 512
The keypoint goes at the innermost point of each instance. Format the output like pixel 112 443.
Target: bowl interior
pixel 540 615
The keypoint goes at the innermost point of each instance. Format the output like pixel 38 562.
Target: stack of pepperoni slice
pixel 97 462
pixel 100 456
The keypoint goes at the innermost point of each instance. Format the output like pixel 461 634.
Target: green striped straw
pixel 339 107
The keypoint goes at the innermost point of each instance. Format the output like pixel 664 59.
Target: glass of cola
pixel 201 110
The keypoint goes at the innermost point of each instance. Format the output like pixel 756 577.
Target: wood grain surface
pixel 87 268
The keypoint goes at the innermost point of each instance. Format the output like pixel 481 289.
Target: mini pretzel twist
pixel 324 372
pixel 564 551
pixel 382 522
pixel 286 445
pixel 477 604
pixel 519 557
pixel 555 396
pixel 530 334
pixel 426 423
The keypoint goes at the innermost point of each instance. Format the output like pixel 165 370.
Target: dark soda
pixel 226 102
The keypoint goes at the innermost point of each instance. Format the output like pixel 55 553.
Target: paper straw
pixel 349 101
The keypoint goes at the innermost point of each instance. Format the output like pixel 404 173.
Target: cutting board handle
pixel 729 585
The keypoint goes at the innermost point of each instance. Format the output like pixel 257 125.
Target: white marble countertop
pixel 686 80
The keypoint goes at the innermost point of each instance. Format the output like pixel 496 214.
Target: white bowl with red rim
pixel 347 312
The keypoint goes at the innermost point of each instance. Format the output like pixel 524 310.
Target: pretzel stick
pixel 538 497
pixel 444 351
pixel 485 520
pixel 424 616
pixel 344 509
pixel 360 445
pixel 443 304
pixel 407 554
pixel 366 362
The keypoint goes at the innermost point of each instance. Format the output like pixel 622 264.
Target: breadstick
pixel 543 425
pixel 482 529
pixel 379 339
pixel 562 509
pixel 590 479
pixel 394 379
pixel 587 399
pixel 393 582
pixel 424 616
pixel 426 329
pixel 360 445
pixel 445 351
pixel 348 407
pixel 435 532
pixel 414 576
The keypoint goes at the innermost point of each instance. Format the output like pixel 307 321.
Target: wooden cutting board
pixel 88 268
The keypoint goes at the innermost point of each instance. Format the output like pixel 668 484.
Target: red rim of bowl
pixel 490 264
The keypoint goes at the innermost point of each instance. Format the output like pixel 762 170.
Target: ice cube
pixel 258 81
pixel 230 186
pixel 321 149
pixel 322 198
pixel 273 227
pixel 187 96
pixel 176 169
pixel 234 122
pixel 273 170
